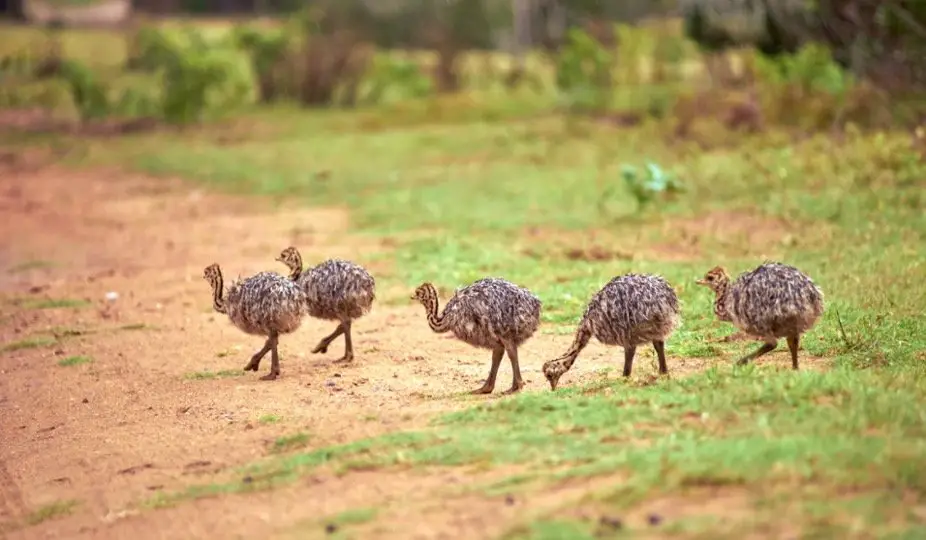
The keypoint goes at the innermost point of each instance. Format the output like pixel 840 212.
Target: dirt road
pixel 101 436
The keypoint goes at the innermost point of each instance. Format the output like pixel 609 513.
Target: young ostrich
pixel 335 290
pixel 491 313
pixel 772 301
pixel 628 311
pixel 265 304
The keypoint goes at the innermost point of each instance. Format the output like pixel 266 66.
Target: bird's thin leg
pixel 348 345
pixel 628 360
pixel 517 383
pixel 489 385
pixel 322 346
pixel 660 347
pixel 793 343
pixel 764 349
pixel 274 362
pixel 255 360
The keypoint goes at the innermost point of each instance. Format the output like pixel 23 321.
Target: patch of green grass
pixel 51 511
pixel 28 343
pixel 289 442
pixel 206 375
pixel 54 303
pixel 354 516
pixel 546 529
pixel 74 361
pixel 268 419
pixel 30 265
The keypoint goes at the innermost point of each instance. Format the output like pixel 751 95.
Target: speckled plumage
pixel 772 301
pixel 265 304
pixel 335 290
pixel 629 311
pixel 491 313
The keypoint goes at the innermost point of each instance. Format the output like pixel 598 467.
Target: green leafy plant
pixel 400 76
pixel 267 48
pixel 583 73
pixel 89 94
pixel 651 184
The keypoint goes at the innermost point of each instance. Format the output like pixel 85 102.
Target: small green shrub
pixel 583 73
pixel 204 83
pixel 392 75
pixel 652 184
pixel 89 94
pixel 201 77
pixel 267 48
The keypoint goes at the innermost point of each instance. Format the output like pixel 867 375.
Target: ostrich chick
pixel 335 290
pixel 628 311
pixel 491 313
pixel 265 304
pixel 772 301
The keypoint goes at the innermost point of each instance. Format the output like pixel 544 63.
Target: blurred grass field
pixel 496 183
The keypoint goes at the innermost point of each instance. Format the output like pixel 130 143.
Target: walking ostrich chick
pixel 772 301
pixel 628 311
pixel 265 304
pixel 335 290
pixel 491 313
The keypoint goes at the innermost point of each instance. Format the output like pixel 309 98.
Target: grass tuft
pixel 28 343
pixel 74 361
pixel 51 511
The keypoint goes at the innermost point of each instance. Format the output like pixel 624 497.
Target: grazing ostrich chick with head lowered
pixel 335 290
pixel 491 314
pixel 770 302
pixel 265 304
pixel 628 311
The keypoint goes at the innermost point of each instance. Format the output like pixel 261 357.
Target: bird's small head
pixel 715 279
pixel 291 258
pixel 553 370
pixel 212 274
pixel 425 293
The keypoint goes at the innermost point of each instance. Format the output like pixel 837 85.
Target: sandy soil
pixel 112 432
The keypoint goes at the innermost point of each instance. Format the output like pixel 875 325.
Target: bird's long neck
pixel 564 362
pixel 721 292
pixel 436 320
pixel 218 286
pixel 296 268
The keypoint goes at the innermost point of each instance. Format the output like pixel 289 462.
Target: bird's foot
pixel 320 348
pixel 346 358
pixel 270 376
pixel 484 389
pixel 743 361
pixel 514 389
pixel 252 366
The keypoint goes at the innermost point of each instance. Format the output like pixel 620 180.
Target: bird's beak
pixel 279 259
pixel 701 282
pixel 553 384
pixel 412 297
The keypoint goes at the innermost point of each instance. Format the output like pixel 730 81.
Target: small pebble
pixel 247 479
pixel 112 296
pixel 331 528
pixel 654 519
pixel 509 500
pixel 85 400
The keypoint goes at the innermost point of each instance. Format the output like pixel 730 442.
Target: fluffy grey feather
pixel 772 301
pixel 265 304
pixel 491 313
pixel 335 290
pixel 629 311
